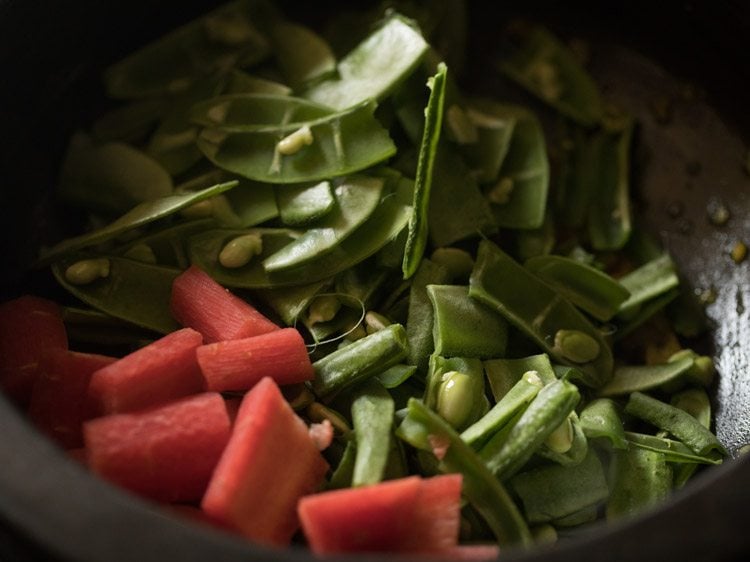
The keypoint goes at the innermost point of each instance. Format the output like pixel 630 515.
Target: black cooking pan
pixel 691 56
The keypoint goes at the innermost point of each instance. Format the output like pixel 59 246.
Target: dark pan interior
pixel 693 54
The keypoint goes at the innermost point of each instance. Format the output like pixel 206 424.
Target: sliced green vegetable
pixel 600 419
pixel 141 215
pixel 519 196
pixel 503 374
pixel 506 455
pixel 457 209
pixel 674 451
pixel 302 54
pixel 494 135
pixel 416 240
pixel 240 82
pixel 374 67
pixel 396 375
pixel 244 113
pixel 453 311
pixel 388 220
pixel 342 143
pixel 170 64
pixel 553 492
pixel 421 315
pixel 356 199
pixel 547 69
pixel 143 300
pixel 640 479
pixel 128 123
pixel 567 445
pixel 455 390
pixel 588 288
pixel 609 219
pixel 425 430
pixel 633 378
pixel 674 421
pixel 514 401
pixel 650 280
pixel 536 309
pixel 372 418
pixel 111 177
pixel 360 360
pixel 301 204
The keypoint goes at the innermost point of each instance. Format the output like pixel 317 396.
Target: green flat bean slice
pixel 536 242
pixel 519 197
pixel 244 113
pixel 342 476
pixel 502 374
pixel 494 135
pixel 586 287
pixel 547 69
pixel 166 245
pixel 172 144
pixel 514 401
pixel 301 204
pixel 586 515
pixel 554 491
pixel 221 38
pixel 290 302
pixel 424 429
pixel 416 240
pixel 631 378
pixel 454 310
pixel 374 67
pixel 609 219
pixel 650 280
pixel 421 315
pixel 372 417
pixel 640 479
pixel 141 215
pixel 359 360
pixel 388 220
pixel 641 314
pixel 674 421
pixel 506 455
pixel 356 199
pixel 455 390
pixel 240 82
pixel 111 177
pixel 143 300
pixel 457 210
pixel 576 184
pixel 600 419
pixel 695 402
pixel 569 436
pixel 303 55
pixel 204 249
pixel 675 451
pixel 343 143
pixel 249 204
pixel 95 327
pixel 537 310
pixel 396 375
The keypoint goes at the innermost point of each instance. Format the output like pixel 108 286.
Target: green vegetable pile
pixel 475 291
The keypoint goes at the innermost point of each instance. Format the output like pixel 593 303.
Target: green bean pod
pixel 423 429
pixel 506 455
pixel 372 416
pixel 360 360
pixel 543 314
pixel 674 421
